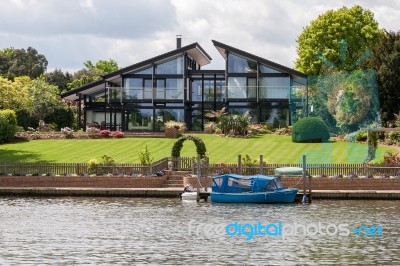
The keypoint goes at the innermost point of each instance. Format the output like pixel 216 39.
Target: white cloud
pixel 68 32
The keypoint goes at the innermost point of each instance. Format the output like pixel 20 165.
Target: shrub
pixel 310 129
pixel 359 135
pixel 144 156
pixel 93 132
pixel 105 133
pixel 8 125
pixel 210 127
pixel 68 132
pixel 117 134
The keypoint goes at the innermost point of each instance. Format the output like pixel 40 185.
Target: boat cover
pixel 233 183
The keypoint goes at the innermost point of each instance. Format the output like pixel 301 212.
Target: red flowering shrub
pixel 105 133
pixel 117 134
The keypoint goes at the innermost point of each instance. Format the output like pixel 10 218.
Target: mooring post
pixel 198 176
pixel 239 164
pixel 304 200
pixel 261 164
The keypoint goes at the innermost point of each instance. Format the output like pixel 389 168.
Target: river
pixel 135 231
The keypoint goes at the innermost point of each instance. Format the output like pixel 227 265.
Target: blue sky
pixel 69 32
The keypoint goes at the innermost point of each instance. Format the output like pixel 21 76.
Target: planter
pixel 171 132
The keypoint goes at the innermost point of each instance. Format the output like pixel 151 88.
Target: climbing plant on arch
pixel 200 146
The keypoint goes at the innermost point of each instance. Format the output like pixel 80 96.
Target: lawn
pixel 275 149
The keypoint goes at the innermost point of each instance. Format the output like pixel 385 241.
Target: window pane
pixel 148 70
pixel 140 119
pixel 133 88
pixel 238 64
pixel 174 66
pixel 220 90
pixel 236 87
pixel 174 89
pixel 265 69
pixel 252 88
pixel 160 92
pixel 164 115
pixel 275 88
pixel 148 89
pixel 196 90
pixel 209 90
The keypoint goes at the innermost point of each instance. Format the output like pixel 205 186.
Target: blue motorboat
pixel 250 189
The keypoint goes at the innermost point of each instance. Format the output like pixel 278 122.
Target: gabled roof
pixel 194 50
pixel 222 48
pixel 90 88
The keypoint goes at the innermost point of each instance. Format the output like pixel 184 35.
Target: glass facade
pixel 237 64
pixel 174 66
pixel 170 90
pixel 274 87
pixel 265 69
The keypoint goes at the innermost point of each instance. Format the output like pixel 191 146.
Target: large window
pixel 174 89
pixel 140 119
pixel 164 115
pixel 133 88
pixel 242 88
pixel 237 64
pixel 237 87
pixel 275 88
pixel 174 66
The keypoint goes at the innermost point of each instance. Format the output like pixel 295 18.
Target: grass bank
pixel 275 149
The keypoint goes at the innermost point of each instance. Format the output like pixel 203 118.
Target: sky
pixel 69 32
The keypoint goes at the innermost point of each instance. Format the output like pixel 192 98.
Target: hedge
pixel 8 125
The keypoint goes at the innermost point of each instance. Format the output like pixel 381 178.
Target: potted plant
pixel 174 128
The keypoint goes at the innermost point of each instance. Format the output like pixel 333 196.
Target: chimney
pixel 178 41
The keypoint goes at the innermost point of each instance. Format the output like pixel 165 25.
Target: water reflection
pixel 136 231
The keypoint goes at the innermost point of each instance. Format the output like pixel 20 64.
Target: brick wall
pixel 159 181
pixel 82 181
pixel 204 181
pixel 345 183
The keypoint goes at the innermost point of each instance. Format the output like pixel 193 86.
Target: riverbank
pixel 175 192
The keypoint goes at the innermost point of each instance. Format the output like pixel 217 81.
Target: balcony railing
pixel 115 94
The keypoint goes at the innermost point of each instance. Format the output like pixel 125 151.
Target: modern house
pixel 173 86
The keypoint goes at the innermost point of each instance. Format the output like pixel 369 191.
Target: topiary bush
pixel 8 125
pixel 310 129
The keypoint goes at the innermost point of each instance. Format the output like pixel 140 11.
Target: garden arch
pixel 200 146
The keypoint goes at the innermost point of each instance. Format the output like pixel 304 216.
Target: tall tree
pixel 58 78
pixel 13 95
pixel 386 62
pixel 102 67
pixel 92 72
pixel 322 39
pixel 21 62
pixel 44 98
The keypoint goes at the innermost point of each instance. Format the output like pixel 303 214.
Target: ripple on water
pixel 137 231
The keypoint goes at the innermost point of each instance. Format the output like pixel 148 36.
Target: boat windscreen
pixel 278 183
pixel 238 185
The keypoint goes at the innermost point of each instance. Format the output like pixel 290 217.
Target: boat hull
pixel 278 196
pixel 189 196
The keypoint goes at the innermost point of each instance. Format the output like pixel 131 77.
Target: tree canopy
pixel 319 46
pixel 21 62
pixel 92 72
pixel 13 94
pixel 386 62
